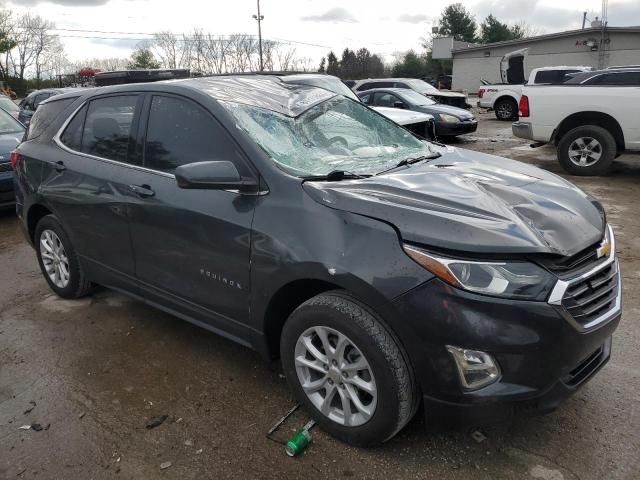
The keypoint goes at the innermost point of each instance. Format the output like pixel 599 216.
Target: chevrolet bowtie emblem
pixel 604 249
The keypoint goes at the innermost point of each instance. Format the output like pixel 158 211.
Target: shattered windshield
pixel 337 134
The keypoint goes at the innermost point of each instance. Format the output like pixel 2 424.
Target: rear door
pixel 86 183
pixel 192 247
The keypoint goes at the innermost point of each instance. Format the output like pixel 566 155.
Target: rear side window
pixel 45 115
pixel 622 78
pixel 72 135
pixel 108 125
pixel 552 76
pixel 181 132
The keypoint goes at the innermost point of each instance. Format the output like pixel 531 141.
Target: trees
pixel 333 66
pixel 458 22
pixel 492 30
pixel 353 64
pixel 142 58
pixel 411 66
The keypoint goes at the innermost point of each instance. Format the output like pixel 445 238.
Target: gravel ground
pixel 93 372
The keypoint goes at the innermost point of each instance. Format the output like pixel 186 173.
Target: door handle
pixel 142 190
pixel 59 166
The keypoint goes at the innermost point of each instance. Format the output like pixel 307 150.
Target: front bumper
pixel 543 357
pixel 445 129
pixel 522 130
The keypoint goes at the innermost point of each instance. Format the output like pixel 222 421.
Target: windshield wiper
pixel 411 161
pixel 336 175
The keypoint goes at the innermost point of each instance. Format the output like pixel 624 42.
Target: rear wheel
pixel 58 259
pixel 347 369
pixel 506 109
pixel 587 150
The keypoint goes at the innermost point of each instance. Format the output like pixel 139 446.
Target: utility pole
pixel 259 18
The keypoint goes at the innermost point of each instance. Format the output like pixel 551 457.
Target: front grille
pixel 5 167
pixel 590 298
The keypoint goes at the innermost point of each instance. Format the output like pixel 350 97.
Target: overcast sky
pixel 383 27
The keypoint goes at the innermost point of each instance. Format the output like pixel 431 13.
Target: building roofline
pixel 566 33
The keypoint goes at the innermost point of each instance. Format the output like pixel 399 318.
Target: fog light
pixel 477 369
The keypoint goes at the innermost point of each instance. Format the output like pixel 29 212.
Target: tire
pixel 580 161
pixel 49 233
pixel 339 314
pixel 506 109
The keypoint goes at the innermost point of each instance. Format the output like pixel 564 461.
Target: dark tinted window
pixel 107 128
pixel 385 99
pixel 72 135
pixel 622 78
pixel 553 76
pixel 370 85
pixel 39 98
pixel 181 132
pixel 46 114
pixel 401 85
pixel 366 99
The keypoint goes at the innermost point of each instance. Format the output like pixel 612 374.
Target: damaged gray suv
pixel 386 272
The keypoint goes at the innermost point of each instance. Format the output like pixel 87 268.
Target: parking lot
pixel 93 372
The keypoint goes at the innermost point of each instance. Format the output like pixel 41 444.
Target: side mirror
pixel 218 175
pixel 398 104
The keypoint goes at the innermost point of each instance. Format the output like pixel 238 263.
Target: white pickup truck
pixel 589 124
pixel 503 98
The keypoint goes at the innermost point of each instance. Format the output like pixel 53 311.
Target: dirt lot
pixel 93 372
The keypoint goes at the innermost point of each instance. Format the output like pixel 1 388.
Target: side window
pixel 595 80
pixel 72 135
pixel 622 78
pixel 401 85
pixel 366 99
pixel 180 132
pixel 385 99
pixel 38 99
pixel 365 86
pixel 45 115
pixel 107 128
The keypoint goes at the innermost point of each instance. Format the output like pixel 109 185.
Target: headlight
pixel 509 279
pixel 448 118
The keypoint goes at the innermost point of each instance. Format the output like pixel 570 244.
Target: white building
pixel 595 47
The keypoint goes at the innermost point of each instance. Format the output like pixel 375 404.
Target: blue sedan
pixel 11 133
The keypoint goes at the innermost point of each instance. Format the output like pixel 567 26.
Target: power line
pixel 179 36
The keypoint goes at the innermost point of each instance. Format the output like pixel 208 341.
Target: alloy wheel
pixel 54 258
pixel 335 376
pixel 505 111
pixel 585 151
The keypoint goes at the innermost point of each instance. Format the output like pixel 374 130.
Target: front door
pixel 192 246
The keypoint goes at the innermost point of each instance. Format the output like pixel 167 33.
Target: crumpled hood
pixel 473 202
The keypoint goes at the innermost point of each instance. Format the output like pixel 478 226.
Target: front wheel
pixel 347 370
pixel 587 150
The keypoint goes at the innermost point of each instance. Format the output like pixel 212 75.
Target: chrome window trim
pixel 561 286
pixel 58 142
pixel 56 139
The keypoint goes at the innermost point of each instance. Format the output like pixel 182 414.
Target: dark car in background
pixel 11 133
pixel 454 99
pixel 30 103
pixel 629 76
pixel 384 270
pixel 449 121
